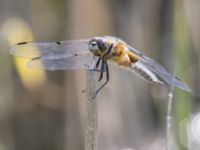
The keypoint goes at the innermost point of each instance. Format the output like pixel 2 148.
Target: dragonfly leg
pixel 107 78
pixel 104 62
pixel 104 66
pixel 97 64
pixel 102 70
pixel 97 70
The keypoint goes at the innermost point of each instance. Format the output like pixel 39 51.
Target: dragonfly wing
pixel 50 50
pixel 73 62
pixel 165 76
pixel 160 71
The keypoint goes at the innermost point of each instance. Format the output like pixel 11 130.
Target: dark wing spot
pixel 21 43
pixel 178 78
pixel 86 65
pixel 83 91
pixel 36 58
pixel 59 43
pixel 75 54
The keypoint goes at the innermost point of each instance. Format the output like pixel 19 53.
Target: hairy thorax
pixel 121 55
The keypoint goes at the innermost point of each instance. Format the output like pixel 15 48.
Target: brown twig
pixel 91 136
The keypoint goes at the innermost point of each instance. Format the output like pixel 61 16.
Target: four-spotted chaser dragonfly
pixel 93 54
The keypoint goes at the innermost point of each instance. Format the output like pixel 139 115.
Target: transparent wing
pixel 73 62
pixel 50 50
pixel 160 71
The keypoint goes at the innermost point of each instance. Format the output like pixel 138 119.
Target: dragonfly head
pixel 97 46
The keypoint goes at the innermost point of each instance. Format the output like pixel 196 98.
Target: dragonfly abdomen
pixel 145 73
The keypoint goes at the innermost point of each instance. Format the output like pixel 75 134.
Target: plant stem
pixel 91 136
pixel 169 115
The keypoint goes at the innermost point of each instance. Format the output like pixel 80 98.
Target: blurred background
pixel 44 110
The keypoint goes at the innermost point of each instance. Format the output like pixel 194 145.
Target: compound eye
pixel 101 45
pixel 93 45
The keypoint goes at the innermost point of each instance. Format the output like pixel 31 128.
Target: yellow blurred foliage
pixel 16 30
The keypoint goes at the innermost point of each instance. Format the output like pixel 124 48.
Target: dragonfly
pixel 93 54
